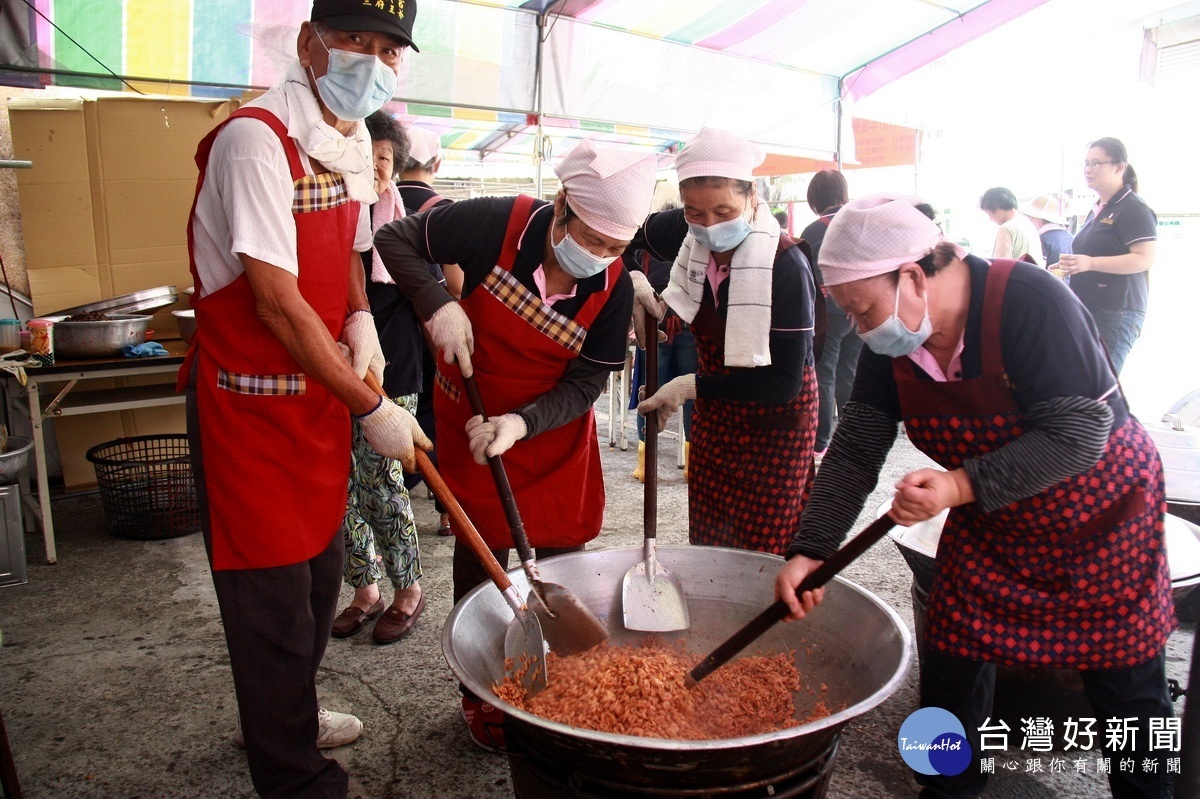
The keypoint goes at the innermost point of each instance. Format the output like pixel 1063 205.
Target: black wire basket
pixel 146 486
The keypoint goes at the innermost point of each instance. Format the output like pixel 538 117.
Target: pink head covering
pixel 426 145
pixel 609 188
pixel 875 235
pixel 720 154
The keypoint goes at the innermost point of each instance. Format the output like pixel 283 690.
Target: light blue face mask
pixel 723 236
pixel 355 85
pixel 576 260
pixel 895 340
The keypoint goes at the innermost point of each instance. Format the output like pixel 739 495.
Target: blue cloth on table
pixel 145 350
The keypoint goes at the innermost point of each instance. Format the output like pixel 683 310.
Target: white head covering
pixel 1045 206
pixel 426 145
pixel 720 154
pixel 609 188
pixel 875 235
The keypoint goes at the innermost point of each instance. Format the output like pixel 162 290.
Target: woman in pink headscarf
pixel 748 293
pixel 1052 554
pixel 543 320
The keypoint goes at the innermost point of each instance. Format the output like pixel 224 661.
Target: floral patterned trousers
pixel 379 522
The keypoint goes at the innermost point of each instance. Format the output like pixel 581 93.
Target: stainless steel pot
pixel 103 339
pixel 855 645
pixel 187 323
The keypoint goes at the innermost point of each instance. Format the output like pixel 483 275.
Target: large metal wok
pixel 854 645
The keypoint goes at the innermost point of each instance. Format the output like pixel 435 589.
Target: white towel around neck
pixel 748 316
pixel 350 156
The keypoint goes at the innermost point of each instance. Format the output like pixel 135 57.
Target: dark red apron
pixel 522 349
pixel 750 468
pixel 1073 577
pixel 276 444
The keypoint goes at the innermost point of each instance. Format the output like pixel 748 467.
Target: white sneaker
pixel 337 729
pixel 333 730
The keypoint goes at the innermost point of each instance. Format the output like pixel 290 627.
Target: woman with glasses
pixel 1114 250
pixel 1052 554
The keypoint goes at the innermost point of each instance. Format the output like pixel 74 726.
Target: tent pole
pixel 837 118
pixel 538 78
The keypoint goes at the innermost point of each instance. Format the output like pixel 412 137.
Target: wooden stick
pixel 765 620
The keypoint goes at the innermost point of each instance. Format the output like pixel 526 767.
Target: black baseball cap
pixel 393 17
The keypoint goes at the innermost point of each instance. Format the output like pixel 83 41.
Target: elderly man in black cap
pixel 279 218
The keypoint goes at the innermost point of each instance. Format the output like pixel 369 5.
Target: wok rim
pixel 834 720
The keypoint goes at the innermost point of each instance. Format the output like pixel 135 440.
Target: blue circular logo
pixel 933 741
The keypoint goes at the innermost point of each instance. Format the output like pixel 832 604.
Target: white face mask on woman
pixel 576 260
pixel 895 340
pixel 723 236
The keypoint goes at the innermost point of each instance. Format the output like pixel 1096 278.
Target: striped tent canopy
pixel 645 73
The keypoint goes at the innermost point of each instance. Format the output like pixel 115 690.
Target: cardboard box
pixel 104 211
pixel 105 207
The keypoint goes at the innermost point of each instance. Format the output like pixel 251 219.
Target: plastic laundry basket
pixel 146 486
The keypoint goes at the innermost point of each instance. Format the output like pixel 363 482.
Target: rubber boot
pixel 687 456
pixel 640 471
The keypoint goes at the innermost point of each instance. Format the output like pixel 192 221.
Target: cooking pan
pixel 855 648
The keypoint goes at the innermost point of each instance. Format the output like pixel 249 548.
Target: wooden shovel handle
pixel 650 466
pixel 776 612
pixel 461 526
pixel 500 478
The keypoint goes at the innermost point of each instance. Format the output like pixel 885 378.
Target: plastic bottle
pixel 41 341
pixel 10 335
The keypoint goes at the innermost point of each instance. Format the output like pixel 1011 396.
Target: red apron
pixel 275 443
pixel 1073 577
pixel 750 468
pixel 522 348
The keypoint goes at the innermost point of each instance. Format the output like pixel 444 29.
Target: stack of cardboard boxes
pixel 104 212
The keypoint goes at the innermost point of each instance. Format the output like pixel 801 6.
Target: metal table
pixel 66 403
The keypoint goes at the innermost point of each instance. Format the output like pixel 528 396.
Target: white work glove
pixel 362 338
pixel 450 330
pixel 646 304
pixel 669 398
pixel 495 436
pixel 393 432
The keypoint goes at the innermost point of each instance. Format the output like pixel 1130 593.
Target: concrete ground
pixel 114 679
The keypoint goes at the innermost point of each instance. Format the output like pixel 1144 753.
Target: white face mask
pixel 355 85
pixel 895 340
pixel 576 260
pixel 723 236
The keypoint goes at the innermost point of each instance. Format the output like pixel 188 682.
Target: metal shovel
pixel 524 645
pixel 651 595
pixel 568 624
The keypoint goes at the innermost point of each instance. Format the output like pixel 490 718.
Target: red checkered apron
pixel 522 350
pixel 1073 577
pixel 750 469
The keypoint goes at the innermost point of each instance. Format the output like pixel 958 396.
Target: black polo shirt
pixel 399 330
pixel 1124 220
pixel 415 193
pixel 814 235
pixel 470 233
pixel 1048 342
